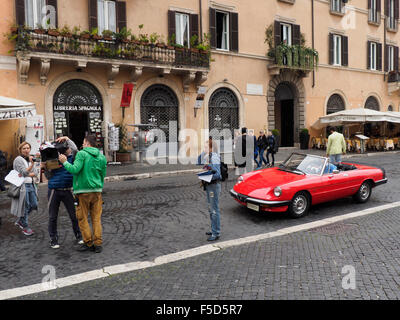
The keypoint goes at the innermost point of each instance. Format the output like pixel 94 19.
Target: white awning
pixel 356 116
pixel 15 109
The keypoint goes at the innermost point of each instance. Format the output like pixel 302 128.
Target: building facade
pixel 276 64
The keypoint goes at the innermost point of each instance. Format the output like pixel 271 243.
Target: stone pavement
pixel 312 264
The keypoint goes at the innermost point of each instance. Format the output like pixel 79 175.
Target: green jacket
pixel 88 170
pixel 336 144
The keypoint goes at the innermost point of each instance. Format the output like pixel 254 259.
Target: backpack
pixel 224 171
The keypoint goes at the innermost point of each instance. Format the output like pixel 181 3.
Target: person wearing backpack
pixel 60 190
pixel 212 162
pixel 271 148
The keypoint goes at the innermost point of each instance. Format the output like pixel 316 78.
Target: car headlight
pixel 240 179
pixel 277 191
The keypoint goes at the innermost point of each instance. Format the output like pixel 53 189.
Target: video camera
pixel 49 154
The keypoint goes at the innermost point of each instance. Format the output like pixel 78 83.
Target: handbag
pixel 13 191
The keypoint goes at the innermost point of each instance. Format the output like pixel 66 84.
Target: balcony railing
pixel 394 76
pixel 29 40
pixel 295 57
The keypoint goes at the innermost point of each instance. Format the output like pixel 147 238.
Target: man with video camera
pixel 60 190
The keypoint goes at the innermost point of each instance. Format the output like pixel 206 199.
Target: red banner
pixel 126 95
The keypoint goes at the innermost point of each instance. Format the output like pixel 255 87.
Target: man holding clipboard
pixel 211 181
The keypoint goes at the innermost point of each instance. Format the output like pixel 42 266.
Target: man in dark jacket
pixel 60 190
pixel 3 167
pixel 271 145
pixel 262 144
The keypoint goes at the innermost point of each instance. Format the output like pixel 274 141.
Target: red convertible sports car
pixel 304 180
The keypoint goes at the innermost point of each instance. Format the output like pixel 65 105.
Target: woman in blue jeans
pixel 212 162
pixel 28 199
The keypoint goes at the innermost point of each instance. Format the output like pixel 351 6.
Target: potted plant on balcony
pixel 14 29
pixel 39 29
pixel 53 32
pixel 153 39
pixel 304 138
pixel 85 35
pixel 123 35
pixel 95 34
pixel 143 37
pixel 108 35
pixel 66 32
pixel 194 41
pixel 171 42
pixel 123 155
pixel 76 32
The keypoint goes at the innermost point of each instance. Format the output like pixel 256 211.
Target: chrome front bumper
pixel 245 199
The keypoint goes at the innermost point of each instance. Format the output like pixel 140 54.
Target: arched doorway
pixel 223 115
pixel 159 105
pixel 285 113
pixel 78 111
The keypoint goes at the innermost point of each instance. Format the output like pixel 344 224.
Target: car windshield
pixel 304 164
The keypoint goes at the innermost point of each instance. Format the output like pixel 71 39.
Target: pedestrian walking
pixel 28 198
pixel 3 167
pixel 88 170
pixel 60 190
pixel 212 161
pixel 256 150
pixel 336 146
pixel 262 144
pixel 271 148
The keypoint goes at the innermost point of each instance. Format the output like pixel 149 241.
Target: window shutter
pixel 378 5
pixel 386 8
pixel 396 58
pixel 296 34
pixel 213 28
pixel 121 15
pixel 171 24
pixel 194 26
pixel 386 58
pixel 369 4
pixel 277 33
pixel 368 54
pixel 396 9
pixel 330 48
pixel 92 14
pixel 379 55
pixel 54 4
pixel 345 51
pixel 234 31
pixel 20 12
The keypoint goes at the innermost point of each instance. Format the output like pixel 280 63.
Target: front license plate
pixel 253 207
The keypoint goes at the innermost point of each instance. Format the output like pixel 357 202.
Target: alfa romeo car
pixel 303 180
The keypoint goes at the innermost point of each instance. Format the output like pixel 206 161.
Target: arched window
pixel 372 103
pixel 390 108
pixel 335 104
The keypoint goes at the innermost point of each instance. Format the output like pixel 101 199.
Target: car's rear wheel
pixel 299 205
pixel 364 193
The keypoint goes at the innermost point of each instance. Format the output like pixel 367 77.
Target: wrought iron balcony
pixel 84 49
pixel 393 80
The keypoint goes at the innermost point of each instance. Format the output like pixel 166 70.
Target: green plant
pixel 123 138
pixel 123 34
pixel 154 37
pixel 194 41
pixel 94 32
pixel 172 40
pixel 65 31
pixel 275 132
pixel 84 33
pixel 76 31
pixel 108 34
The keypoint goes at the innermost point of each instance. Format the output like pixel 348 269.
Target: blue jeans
pixel 262 158
pixel 30 203
pixel 213 192
pixel 335 158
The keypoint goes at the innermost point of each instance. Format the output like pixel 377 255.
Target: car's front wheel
pixel 363 193
pixel 299 205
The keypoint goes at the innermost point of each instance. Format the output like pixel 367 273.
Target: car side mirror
pixel 335 171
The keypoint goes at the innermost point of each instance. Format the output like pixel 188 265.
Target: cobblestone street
pixel 146 219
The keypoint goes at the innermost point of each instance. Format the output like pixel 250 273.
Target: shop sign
pixel 17 114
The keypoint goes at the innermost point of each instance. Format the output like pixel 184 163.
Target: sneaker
pixel 208 233
pixel 27 231
pixel 84 247
pixel 79 240
pixel 213 238
pixel 54 244
pixel 19 224
pixel 98 249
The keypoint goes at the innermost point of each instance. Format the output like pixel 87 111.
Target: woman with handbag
pixel 28 199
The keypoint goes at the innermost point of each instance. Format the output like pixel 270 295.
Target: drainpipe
pixel 312 37
pixel 201 21
pixel 384 49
